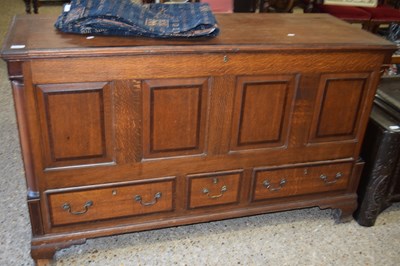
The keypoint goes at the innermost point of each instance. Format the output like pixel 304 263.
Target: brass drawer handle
pixel 327 182
pixel 157 196
pixel 207 192
pixel 267 185
pixel 67 207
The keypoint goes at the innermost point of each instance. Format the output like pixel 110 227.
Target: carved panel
pixel 174 117
pixel 76 123
pixel 338 106
pixel 262 111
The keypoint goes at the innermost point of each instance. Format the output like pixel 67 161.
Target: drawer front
pixel 214 188
pixel 105 203
pixel 284 182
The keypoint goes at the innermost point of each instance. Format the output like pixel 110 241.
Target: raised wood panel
pixel 76 123
pixel 262 111
pixel 338 106
pixel 174 115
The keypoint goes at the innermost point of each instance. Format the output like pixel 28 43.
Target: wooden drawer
pixel 284 182
pixel 85 205
pixel 211 189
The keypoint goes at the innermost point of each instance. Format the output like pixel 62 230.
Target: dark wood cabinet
pixel 126 134
pixel 380 180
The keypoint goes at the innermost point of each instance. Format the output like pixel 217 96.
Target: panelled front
pixel 208 129
pixel 173 117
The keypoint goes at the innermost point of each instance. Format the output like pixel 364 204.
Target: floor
pixel 300 237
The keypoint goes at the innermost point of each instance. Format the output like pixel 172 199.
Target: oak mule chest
pixel 127 134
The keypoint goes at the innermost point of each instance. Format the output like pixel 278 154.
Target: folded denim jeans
pixel 124 18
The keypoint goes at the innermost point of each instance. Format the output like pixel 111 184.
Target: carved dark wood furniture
pixel 126 134
pixel 380 180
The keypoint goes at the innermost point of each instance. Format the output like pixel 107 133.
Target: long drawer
pixel 285 182
pixel 84 205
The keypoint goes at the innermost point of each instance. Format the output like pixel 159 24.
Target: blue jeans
pixel 124 18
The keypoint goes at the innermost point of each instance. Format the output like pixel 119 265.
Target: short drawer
pixel 285 182
pixel 211 189
pixel 86 205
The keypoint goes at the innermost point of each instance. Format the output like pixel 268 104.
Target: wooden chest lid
pixel 35 37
